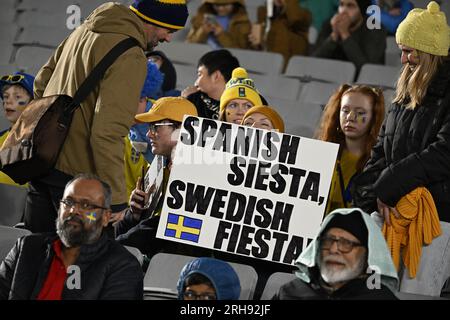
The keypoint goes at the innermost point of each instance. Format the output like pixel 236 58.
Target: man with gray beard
pixel 349 259
pixel 80 262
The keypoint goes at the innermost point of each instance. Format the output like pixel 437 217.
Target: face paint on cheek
pixel 92 217
pixel 360 119
pixel 21 105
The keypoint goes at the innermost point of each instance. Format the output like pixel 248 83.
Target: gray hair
pixel 107 192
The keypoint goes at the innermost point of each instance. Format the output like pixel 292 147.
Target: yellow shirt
pixel 348 164
pixel 134 162
pixel 3 177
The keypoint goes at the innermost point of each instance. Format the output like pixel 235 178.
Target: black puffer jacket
pixel 413 150
pixel 107 270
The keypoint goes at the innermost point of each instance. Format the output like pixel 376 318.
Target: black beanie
pixel 363 5
pixel 353 223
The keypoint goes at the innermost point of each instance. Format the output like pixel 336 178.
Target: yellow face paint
pixel 91 216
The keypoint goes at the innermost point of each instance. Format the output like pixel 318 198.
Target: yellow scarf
pixel 417 225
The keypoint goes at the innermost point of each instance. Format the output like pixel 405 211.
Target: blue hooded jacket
pixel 222 275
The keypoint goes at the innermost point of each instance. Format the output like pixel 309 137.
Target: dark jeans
pixel 44 194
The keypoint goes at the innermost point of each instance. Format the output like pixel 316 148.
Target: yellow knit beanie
pixel 270 113
pixel 239 87
pixel 425 30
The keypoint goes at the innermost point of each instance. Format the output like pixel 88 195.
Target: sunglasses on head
pixel 13 78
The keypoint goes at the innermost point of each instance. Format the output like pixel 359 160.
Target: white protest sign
pixel 246 191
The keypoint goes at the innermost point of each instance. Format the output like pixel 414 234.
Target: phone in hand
pixel 210 18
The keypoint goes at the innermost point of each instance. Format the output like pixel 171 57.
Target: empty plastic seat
pixel 137 253
pixel 42 36
pixel 392 53
pixel 318 69
pixel 186 75
pixel 30 18
pixel 184 53
pixel 8 237
pixel 305 118
pixel 259 61
pixel 276 86
pixel 12 199
pixel 378 75
pixel 275 282
pixel 32 58
pixel 8 32
pixel 164 270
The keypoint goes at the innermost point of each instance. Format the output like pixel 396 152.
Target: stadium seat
pixel 164 270
pixel 259 61
pixel 378 75
pixel 30 18
pixel 184 53
pixel 275 281
pixel 32 58
pixel 320 70
pixel 186 75
pixel 42 36
pixel 8 32
pixel 137 253
pixel 8 237
pixel 276 86
pixel 12 199
pixel 392 53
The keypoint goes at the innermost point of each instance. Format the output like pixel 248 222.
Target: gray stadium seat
pixel 6 52
pixel 32 58
pixel 374 74
pixel 42 36
pixel 8 237
pixel 275 281
pixel 7 14
pixel 184 53
pixel 259 61
pixel 276 86
pixel 31 18
pixel 8 32
pixel 137 253
pixel 392 53
pixel 164 270
pixel 304 120
pixel 186 75
pixel 12 199
pixel 318 69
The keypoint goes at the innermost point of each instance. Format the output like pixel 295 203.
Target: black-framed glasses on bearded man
pixel 13 78
pixel 343 245
pixel 83 205
pixel 153 127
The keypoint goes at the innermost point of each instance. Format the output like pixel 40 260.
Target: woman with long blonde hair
pixel 410 164
pixel 352 119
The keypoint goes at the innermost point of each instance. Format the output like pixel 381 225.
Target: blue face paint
pixel 22 103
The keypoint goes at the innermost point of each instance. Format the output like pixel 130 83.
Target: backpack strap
pixel 96 75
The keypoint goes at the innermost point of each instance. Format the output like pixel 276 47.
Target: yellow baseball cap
pixel 172 108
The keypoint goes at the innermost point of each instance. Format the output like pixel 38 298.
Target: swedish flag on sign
pixel 182 227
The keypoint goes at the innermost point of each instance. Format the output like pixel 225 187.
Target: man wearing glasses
pixel 349 259
pixel 139 225
pixel 80 261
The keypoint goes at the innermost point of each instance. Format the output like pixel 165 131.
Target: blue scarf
pixel 138 133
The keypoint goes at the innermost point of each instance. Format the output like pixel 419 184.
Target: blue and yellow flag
pixel 182 227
